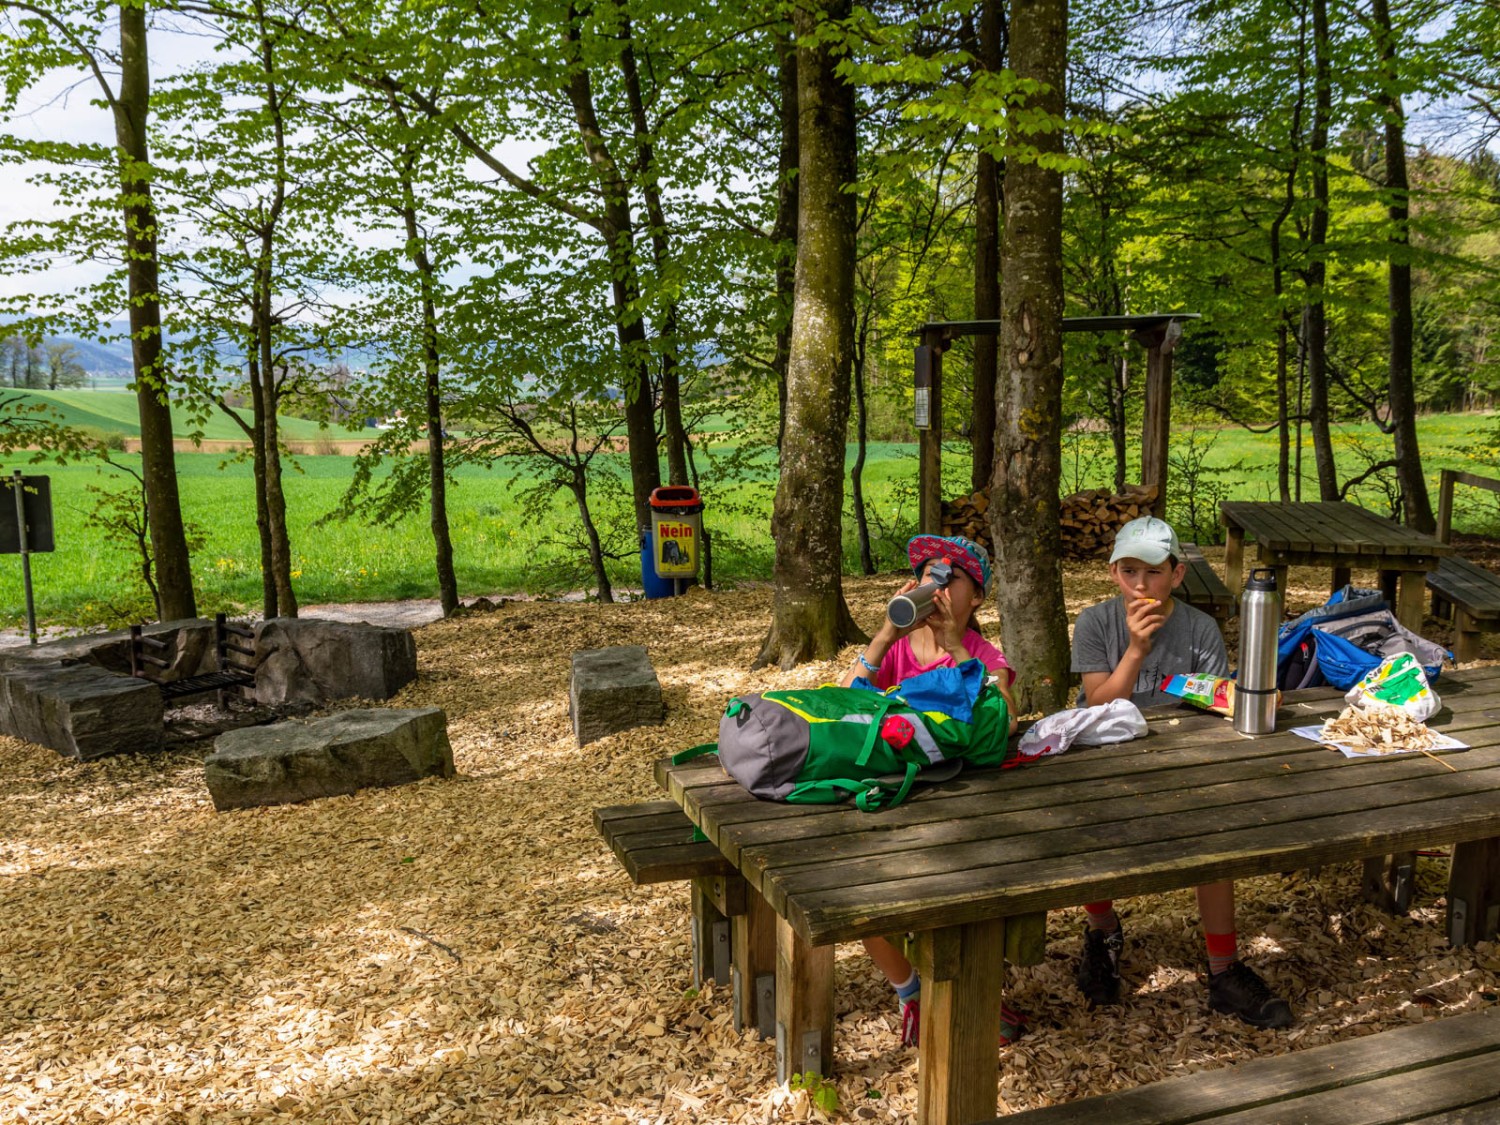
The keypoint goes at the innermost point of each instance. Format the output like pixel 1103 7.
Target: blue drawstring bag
pixel 1349 636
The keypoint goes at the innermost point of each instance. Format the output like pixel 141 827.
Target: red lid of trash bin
pixel 675 497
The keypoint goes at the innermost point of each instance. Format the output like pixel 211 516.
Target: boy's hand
pixel 1143 617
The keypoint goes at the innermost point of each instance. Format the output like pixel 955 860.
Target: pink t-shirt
pixel 900 662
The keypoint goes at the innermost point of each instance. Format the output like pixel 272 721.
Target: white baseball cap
pixel 1149 539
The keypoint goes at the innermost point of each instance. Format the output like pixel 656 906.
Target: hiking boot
pixel 1099 971
pixel 1239 991
pixel 911 1022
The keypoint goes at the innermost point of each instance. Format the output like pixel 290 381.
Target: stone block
pixel 80 710
pixel 302 760
pixel 613 689
pixel 308 662
pixel 192 651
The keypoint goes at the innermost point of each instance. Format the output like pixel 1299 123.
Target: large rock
pixel 307 662
pixel 192 651
pixel 613 689
pixel 80 710
pixel 302 760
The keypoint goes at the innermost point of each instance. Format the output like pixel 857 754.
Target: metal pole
pixel 17 481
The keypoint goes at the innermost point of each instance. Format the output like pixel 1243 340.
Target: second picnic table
pixel 966 865
pixel 1340 536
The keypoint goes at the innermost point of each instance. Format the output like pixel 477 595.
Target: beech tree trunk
pixel 784 233
pixel 811 620
pixel 1316 342
pixel 1414 498
pixel 169 550
pixel 986 267
pixel 1028 425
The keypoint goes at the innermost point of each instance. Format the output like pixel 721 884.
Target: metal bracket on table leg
pixel 721 950
pixel 697 947
pixel 765 1004
pixel 1401 887
pixel 1458 921
pixel 781 1071
pixel 737 991
pixel 812 1052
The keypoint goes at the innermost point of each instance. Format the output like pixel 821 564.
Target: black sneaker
pixel 1099 971
pixel 1239 991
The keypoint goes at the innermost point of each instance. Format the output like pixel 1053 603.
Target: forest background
pixel 551 245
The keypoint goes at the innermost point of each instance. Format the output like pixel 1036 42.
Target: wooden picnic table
pixel 962 863
pixel 1337 535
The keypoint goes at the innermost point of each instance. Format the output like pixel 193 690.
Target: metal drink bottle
pixel 1260 623
pixel 914 605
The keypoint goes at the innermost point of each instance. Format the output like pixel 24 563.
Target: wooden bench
pixel 1203 589
pixel 1470 590
pixel 654 841
pixel 230 674
pixel 1440 1071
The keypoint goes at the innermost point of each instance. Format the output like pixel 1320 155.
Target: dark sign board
pixel 36 495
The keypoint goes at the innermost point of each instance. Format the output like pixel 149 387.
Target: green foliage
pixel 821 1092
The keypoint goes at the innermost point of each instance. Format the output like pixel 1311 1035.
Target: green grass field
pixel 500 547
pixel 114 411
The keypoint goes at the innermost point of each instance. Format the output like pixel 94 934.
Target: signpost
pixel 26 527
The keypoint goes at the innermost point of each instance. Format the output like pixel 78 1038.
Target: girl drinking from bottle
pixel 944 638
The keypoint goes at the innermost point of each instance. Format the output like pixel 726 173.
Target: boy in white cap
pixel 1123 648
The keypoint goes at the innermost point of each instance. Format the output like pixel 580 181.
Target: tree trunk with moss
pixel 1028 424
pixel 811 620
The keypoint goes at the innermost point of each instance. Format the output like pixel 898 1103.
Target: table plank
pixel 955 897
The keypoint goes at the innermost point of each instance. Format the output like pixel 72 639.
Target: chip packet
pixel 1202 689
pixel 1397 681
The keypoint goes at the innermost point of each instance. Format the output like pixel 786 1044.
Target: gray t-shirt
pixel 1189 641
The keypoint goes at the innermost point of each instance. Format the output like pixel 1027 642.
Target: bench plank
pixel 1410 1056
pixel 654 843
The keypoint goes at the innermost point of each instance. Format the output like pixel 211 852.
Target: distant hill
pixel 115 411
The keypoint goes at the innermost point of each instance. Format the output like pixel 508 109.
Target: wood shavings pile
pixel 468 950
pixel 1378 730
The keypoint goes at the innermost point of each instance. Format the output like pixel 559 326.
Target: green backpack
pixel 826 744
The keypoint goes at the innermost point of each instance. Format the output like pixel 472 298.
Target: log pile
pixel 1089 518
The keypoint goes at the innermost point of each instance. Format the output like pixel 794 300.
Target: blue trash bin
pixel 653 584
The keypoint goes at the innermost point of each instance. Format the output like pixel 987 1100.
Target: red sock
pixel 1223 950
pixel 1102 916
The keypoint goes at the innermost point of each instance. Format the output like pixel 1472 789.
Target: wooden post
pixel 711 935
pixel 753 972
pixel 804 1005
pixel 1445 504
pixel 928 379
pixel 1411 585
pixel 1159 344
pixel 1234 558
pixel 963 977
pixel 1474 892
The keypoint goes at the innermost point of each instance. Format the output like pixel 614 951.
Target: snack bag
pixel 1213 693
pixel 1397 681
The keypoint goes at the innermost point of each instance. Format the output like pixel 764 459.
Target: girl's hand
pixel 947 633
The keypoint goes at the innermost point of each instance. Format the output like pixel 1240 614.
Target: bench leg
pixel 1411 598
pixel 804 1005
pixel 963 977
pixel 1465 636
pixel 1474 892
pixel 1341 576
pixel 1388 881
pixel 711 936
pixel 753 968
pixel 1234 559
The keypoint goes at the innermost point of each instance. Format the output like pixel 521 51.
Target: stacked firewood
pixel 968 516
pixel 1090 518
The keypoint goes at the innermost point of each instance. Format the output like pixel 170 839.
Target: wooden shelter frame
pixel 1158 333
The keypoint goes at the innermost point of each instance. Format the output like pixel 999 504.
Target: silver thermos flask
pixel 1260 626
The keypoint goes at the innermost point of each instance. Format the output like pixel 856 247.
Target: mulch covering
pixel 469 950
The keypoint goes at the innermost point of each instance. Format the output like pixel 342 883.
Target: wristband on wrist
pixel 871 668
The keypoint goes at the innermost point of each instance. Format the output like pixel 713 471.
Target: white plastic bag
pixel 1119 720
pixel 1397 681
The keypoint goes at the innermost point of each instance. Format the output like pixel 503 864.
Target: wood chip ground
pixel 468 950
